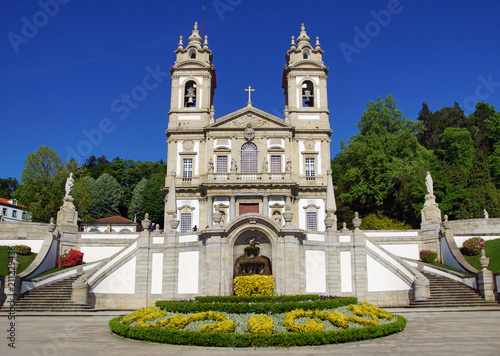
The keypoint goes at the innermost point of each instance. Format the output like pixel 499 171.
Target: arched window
pixel 306 54
pixel 307 94
pixel 249 155
pixel 192 54
pixel 190 94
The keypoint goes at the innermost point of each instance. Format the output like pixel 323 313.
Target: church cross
pixel 249 90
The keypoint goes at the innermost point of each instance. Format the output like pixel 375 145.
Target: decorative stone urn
pixel 483 260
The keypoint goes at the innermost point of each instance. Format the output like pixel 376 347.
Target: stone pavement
pixel 427 333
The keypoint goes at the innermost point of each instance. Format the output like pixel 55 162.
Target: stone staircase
pixel 52 297
pixel 446 292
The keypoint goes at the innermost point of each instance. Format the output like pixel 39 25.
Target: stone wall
pixel 475 227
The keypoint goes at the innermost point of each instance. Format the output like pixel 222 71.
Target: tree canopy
pixel 380 172
pixel 42 184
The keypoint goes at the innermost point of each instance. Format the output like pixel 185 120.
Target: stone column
pixel 209 210
pixel 265 205
pixel 232 207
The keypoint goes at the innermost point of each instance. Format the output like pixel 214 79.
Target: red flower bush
pixel 428 256
pixel 70 259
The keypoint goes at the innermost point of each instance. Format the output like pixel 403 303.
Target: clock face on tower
pixel 309 145
pixel 188 145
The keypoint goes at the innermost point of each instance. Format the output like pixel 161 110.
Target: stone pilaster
pixel 214 266
pixel 265 205
pixel 209 210
pixel 232 207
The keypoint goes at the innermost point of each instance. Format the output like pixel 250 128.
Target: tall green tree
pixel 7 187
pixel 82 193
pixel 380 162
pixel 435 123
pixel 137 203
pixel 42 184
pixel 107 197
pixel 154 199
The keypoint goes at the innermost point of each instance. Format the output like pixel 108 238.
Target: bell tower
pixel 193 84
pixel 304 82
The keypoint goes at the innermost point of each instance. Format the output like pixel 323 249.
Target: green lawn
pixel 50 271
pixel 444 266
pixel 24 261
pixel 492 249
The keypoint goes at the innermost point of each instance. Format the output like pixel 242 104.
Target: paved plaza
pixel 427 333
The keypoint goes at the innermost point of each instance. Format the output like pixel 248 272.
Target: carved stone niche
pixel 251 262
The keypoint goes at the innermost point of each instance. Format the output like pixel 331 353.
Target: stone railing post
pixel 485 283
pixel 79 294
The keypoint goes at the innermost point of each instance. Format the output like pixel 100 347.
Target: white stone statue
pixel 69 185
pixel 486 215
pixel 210 166
pixel 264 166
pixel 233 165
pixel 288 167
pixel 429 185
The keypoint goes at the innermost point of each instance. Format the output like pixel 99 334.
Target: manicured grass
pixel 50 271
pixel 444 266
pixel 492 249
pixel 24 261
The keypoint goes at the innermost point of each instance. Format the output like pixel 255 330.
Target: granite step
pixel 446 292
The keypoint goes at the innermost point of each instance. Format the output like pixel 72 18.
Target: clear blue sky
pixel 62 68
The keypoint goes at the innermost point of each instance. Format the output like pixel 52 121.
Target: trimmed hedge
pixel 262 299
pixel 258 308
pixel 180 337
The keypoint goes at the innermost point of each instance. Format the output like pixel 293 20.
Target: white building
pixel 10 210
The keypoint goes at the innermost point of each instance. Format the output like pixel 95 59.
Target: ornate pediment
pixel 249 117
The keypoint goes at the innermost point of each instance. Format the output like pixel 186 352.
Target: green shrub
pixel 428 256
pixel 258 308
pixel 253 286
pixel 262 299
pixel 378 221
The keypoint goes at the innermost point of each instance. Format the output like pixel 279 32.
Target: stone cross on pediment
pixel 249 90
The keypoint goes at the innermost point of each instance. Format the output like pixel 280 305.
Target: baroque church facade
pixel 249 161
pixel 243 180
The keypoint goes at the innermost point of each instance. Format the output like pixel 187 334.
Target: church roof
pixel 112 220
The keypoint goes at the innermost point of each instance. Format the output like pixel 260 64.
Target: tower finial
pixel 303 35
pixel 205 44
pixel 293 42
pixel 318 46
pixel 195 36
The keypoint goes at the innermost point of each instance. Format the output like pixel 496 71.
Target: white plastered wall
pixel 188 276
pixel 315 271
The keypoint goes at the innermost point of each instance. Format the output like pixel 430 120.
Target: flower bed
pixel 70 259
pixel 303 326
